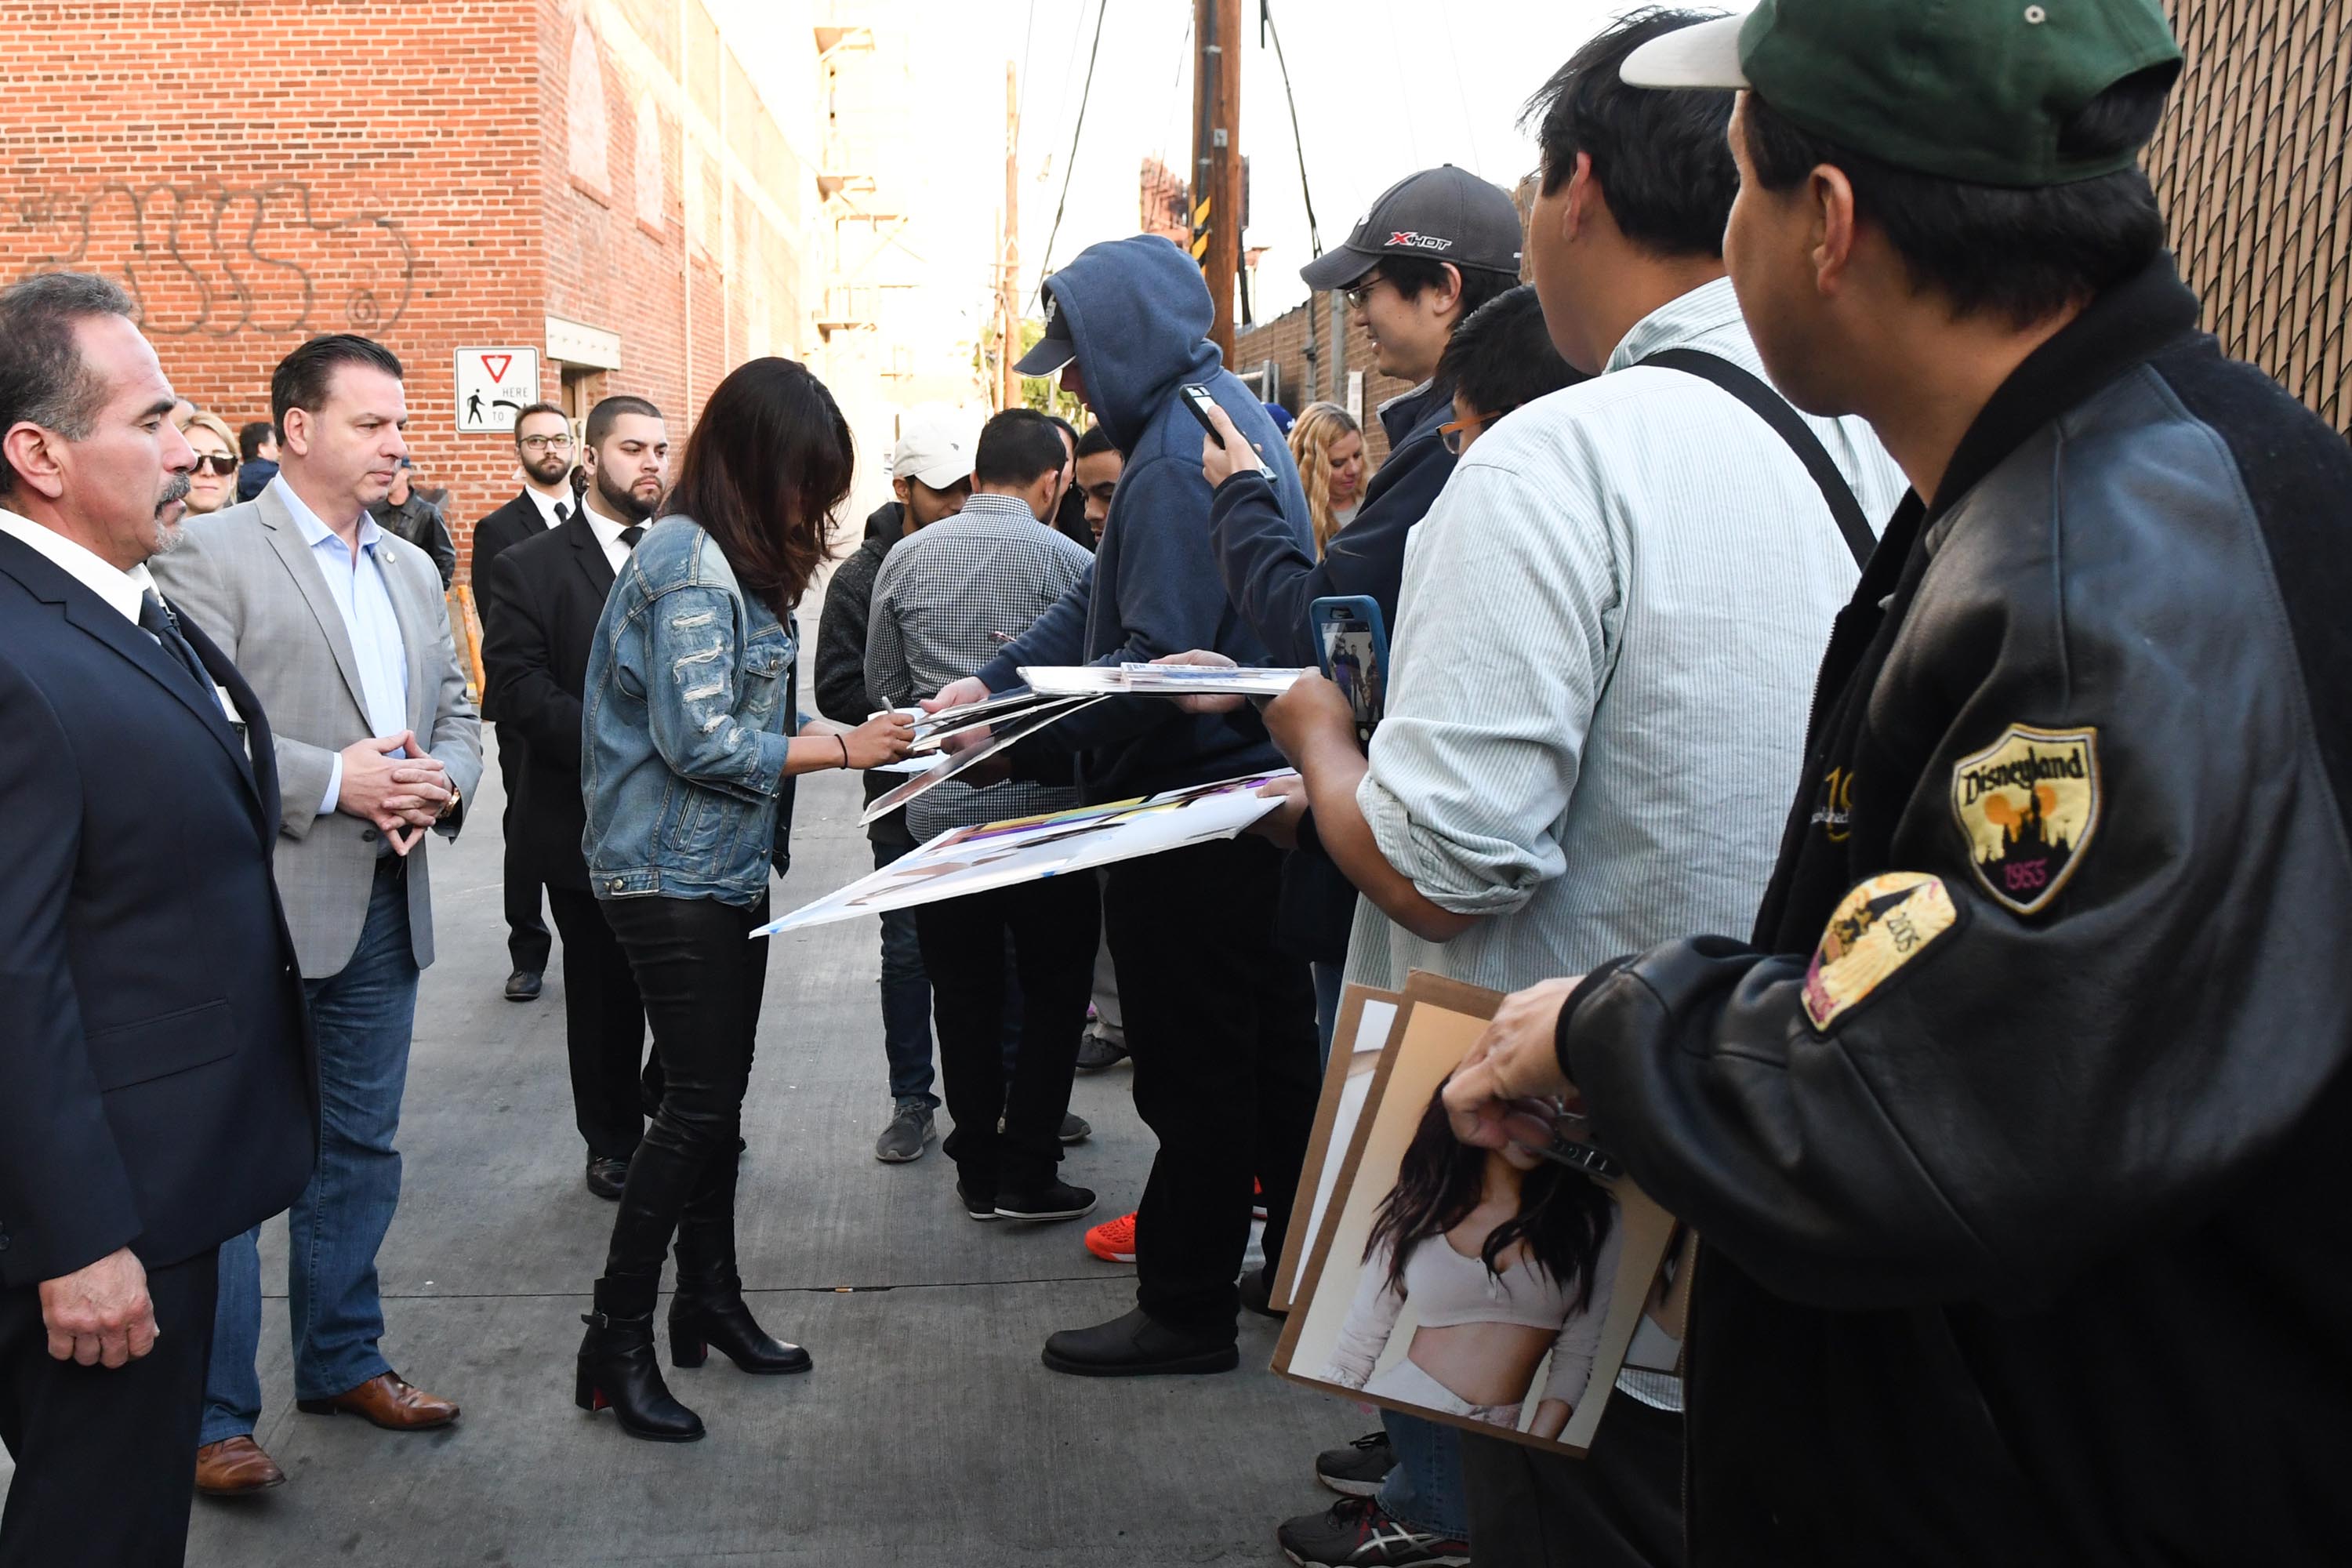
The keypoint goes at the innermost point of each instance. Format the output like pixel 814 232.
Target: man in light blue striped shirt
pixel 1606 640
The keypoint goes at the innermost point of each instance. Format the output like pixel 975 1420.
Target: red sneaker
pixel 1113 1241
pixel 1257 1199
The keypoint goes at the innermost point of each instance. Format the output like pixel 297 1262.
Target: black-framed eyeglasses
pixel 1362 291
pixel 1457 433
pixel 545 443
pixel 216 463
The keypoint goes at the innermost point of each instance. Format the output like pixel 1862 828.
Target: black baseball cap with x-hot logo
pixel 1049 354
pixel 1439 215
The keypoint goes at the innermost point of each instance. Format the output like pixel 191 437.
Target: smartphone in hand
pixel 1353 647
pixel 1196 398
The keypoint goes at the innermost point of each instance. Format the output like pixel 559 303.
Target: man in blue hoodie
pixel 1221 1024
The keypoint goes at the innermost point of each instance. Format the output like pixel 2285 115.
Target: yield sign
pixel 492 385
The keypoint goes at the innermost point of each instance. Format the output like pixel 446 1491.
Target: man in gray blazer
pixel 343 633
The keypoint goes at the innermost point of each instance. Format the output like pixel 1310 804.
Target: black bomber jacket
pixel 2019 1135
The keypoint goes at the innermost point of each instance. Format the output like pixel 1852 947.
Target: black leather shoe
pixel 618 1371
pixel 705 1319
pixel 1135 1346
pixel 606 1176
pixel 523 985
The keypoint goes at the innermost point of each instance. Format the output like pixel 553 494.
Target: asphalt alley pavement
pixel 928 1433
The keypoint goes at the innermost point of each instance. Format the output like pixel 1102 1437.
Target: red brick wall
pixel 257 172
pixel 1283 341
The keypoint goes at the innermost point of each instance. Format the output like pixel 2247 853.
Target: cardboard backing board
pixel 1437 1021
pixel 1365 1026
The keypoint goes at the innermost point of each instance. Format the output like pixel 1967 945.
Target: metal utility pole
pixel 1217 156
pixel 1008 286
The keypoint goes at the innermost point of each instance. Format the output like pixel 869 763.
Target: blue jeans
pixel 362 1018
pixel 1424 1490
pixel 906 999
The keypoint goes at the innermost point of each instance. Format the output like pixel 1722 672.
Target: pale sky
pixel 1383 88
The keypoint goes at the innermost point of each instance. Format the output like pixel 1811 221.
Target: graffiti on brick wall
pixel 219 261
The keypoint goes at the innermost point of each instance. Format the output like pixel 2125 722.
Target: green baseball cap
pixel 1968 90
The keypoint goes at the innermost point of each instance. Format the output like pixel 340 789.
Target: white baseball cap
pixel 931 452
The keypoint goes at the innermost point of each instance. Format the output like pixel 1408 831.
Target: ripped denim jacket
pixel 688 711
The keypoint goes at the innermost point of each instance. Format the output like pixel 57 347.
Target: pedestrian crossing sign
pixel 493 385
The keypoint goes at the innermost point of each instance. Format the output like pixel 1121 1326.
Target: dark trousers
pixel 701 979
pixel 604 1026
pixel 526 940
pixel 106 1457
pixel 1220 1025
pixel 1619 1506
pixel 1008 1107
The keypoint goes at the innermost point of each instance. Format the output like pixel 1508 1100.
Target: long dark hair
pixel 1563 1218
pixel 768 462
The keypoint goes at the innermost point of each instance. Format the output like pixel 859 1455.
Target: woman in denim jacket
pixel 689 733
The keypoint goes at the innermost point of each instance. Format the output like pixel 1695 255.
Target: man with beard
pixel 155 1074
pixel 542 437
pixel 540 602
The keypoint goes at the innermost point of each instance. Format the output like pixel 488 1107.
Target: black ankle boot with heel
pixel 619 1370
pixel 710 1313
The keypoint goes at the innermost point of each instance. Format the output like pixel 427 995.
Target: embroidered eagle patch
pixel 2028 804
pixel 1878 928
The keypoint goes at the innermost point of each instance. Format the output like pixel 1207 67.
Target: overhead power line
pixel 1046 261
pixel 1266 27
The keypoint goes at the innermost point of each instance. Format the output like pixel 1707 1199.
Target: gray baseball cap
pixel 1439 215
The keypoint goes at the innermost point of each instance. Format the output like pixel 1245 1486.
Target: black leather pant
pixel 701 979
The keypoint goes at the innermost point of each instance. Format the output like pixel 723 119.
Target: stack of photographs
pixel 1052 692
pixel 1158 680
pixel 1030 848
pixel 986 727
pixel 1404 1291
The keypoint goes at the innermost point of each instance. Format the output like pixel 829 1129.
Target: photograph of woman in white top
pixel 1505 1258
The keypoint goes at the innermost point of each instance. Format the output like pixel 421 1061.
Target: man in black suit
pixel 541 601
pixel 157 1093
pixel 542 438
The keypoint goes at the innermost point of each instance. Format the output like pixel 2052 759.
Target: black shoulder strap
pixel 1775 410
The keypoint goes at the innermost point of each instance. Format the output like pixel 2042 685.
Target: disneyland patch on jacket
pixel 1879 927
pixel 2028 804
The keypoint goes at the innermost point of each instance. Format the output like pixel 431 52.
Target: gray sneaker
pixel 910 1131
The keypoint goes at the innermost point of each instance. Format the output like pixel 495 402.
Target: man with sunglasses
pixel 542 438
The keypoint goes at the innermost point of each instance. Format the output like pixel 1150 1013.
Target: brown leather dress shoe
pixel 235 1467
pixel 390 1402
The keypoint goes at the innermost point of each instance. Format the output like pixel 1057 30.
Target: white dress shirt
pixel 552 509
pixel 122 591
pixel 360 594
pixel 608 534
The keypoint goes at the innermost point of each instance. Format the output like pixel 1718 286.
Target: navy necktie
pixel 157 619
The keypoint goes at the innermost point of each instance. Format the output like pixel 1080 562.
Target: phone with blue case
pixel 1353 647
